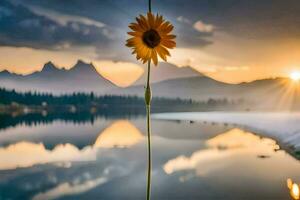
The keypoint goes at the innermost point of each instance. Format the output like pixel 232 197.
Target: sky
pixel 229 40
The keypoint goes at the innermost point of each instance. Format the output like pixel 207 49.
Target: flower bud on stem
pixel 148 96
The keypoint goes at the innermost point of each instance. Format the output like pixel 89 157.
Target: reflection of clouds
pixel 188 163
pixel 26 154
pixel 222 146
pixel 121 133
pixel 84 178
pixel 67 188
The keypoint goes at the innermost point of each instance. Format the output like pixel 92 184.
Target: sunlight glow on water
pixel 294 189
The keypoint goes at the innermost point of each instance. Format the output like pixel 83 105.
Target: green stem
pixel 149 5
pixel 148 97
pixel 148 105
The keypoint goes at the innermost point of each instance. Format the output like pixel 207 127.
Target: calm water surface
pixel 106 159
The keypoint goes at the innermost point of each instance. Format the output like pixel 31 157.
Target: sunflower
pixel 151 36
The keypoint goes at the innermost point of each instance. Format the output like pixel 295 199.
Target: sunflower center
pixel 151 38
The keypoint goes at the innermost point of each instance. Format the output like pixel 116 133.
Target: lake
pixel 106 158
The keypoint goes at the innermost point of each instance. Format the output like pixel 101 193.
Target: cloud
pixel 183 20
pixel 64 19
pixel 21 27
pixel 4 12
pixel 203 27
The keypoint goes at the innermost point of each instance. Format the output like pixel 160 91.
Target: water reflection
pixel 36 119
pixel 228 144
pixel 69 189
pixel 294 189
pixel 119 134
pixel 190 161
pixel 27 154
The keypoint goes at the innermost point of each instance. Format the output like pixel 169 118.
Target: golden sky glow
pixel 223 60
pixel 122 74
pixel 295 76
pixel 27 60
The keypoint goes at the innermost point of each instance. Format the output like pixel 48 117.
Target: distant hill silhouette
pixel 166 71
pixel 82 77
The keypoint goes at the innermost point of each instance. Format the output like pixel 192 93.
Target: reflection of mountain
pixel 120 134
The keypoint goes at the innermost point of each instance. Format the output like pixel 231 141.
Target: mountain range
pixel 83 77
pixel 168 81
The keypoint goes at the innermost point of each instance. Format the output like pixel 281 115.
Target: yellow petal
pixel 158 21
pixel 170 37
pixel 154 57
pixel 141 24
pixel 136 34
pixel 169 28
pixel 168 43
pixel 151 20
pixel 135 27
pixel 162 52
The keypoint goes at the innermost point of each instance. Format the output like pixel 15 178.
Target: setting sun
pixel 295 76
